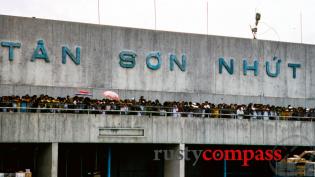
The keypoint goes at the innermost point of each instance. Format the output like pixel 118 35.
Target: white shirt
pixel 240 113
pixel 266 115
pixel 254 116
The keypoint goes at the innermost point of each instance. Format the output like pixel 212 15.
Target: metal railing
pixel 161 113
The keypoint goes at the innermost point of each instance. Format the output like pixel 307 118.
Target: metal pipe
pixel 224 173
pixel 109 159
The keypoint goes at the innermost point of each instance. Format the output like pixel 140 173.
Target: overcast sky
pixel 280 19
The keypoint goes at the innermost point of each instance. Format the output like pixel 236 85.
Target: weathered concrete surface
pixel 79 128
pixel 99 69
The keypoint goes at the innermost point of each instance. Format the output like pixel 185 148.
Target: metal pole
pixel 67 154
pixel 224 174
pixel 109 159
pixel 301 27
pixel 207 19
pixel 154 14
pixel 98 10
pixel 81 166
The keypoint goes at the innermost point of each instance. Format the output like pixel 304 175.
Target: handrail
pixel 129 106
pixel 149 113
pixel 120 104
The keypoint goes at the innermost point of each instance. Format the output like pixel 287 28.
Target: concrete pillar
pixel 175 167
pixel 48 161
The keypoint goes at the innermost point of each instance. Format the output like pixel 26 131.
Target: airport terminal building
pixel 58 58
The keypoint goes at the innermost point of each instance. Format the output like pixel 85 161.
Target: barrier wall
pixel 83 128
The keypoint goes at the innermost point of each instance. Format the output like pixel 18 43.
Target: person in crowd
pixel 156 107
pixel 189 109
pixel 142 103
pixel 266 112
pixel 227 112
pixel 259 111
pixel 123 108
pixel 240 112
pixel 194 110
pixel 290 112
pixel 273 113
pixel 47 104
pixel 163 111
pixel 253 112
pixel 202 110
pixel 247 111
pixel 286 113
pixel 215 112
pixel 5 103
pixel 311 114
pixel 175 111
pixel 207 107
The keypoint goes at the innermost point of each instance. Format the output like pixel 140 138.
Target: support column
pixel 48 160
pixel 175 167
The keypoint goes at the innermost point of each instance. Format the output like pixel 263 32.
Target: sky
pixel 281 20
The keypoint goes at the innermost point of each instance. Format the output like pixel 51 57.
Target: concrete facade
pixel 100 70
pixel 78 128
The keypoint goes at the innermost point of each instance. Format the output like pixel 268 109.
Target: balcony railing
pixel 161 113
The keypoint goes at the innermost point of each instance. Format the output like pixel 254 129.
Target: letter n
pixel 229 69
pixel 173 59
pixel 66 51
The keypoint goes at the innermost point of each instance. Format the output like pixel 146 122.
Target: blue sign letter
pixel 40 52
pixel 173 59
pixel 253 68
pixel 229 69
pixel 11 46
pixel 66 51
pixel 155 55
pixel 294 66
pixel 127 59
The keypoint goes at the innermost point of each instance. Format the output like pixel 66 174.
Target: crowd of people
pixel 77 104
